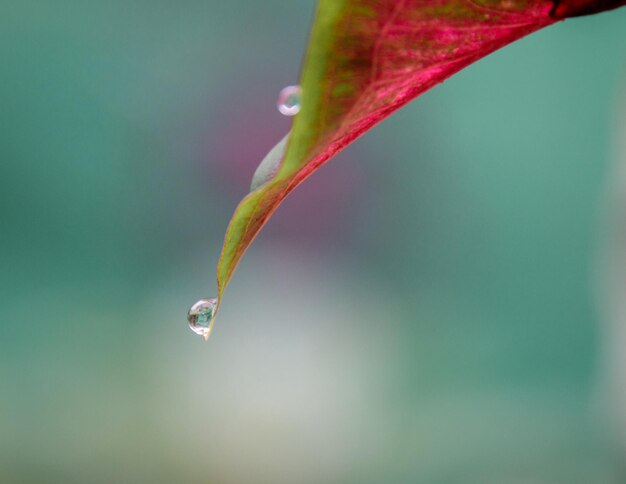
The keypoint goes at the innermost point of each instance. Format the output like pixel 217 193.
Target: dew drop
pixel 289 100
pixel 201 315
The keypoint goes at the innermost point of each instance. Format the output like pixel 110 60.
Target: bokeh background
pixel 435 306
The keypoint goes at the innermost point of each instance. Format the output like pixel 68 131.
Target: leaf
pixel 366 59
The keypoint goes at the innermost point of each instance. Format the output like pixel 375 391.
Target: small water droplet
pixel 201 315
pixel 289 100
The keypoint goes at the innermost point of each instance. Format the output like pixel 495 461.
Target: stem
pixel 576 8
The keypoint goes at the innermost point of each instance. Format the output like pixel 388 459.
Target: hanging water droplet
pixel 201 315
pixel 289 100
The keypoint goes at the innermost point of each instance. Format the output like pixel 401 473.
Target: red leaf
pixel 366 59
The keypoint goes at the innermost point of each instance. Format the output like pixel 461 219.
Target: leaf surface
pixel 366 59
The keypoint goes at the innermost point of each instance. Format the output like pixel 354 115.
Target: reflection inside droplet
pixel 201 316
pixel 289 100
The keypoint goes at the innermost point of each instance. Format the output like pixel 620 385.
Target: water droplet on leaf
pixel 270 164
pixel 201 315
pixel 289 100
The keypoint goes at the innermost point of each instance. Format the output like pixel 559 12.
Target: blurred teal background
pixel 423 310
